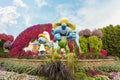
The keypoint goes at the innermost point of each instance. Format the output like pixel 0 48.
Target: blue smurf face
pixel 63 25
pixel 42 40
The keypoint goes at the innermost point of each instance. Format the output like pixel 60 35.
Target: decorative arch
pixel 28 35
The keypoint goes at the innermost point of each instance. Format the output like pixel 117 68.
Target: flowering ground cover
pixel 4 75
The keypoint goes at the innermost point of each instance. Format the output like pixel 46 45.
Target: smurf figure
pixel 62 31
pixel 44 43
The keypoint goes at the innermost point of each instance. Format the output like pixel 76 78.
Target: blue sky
pixel 17 15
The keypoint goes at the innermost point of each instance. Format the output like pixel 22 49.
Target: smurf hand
pixel 50 44
pixel 57 37
pixel 74 35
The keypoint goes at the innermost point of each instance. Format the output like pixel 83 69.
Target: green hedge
pixel 111 39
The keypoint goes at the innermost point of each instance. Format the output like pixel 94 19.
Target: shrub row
pixel 113 67
pixel 19 68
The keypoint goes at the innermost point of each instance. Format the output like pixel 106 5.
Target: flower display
pixel 62 52
pixel 93 72
pixel 97 33
pixel 28 35
pixel 6 37
pixel 90 49
pixel 7 44
pixel 113 74
pixel 103 52
pixel 85 32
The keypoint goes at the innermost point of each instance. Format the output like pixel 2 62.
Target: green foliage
pixel 114 67
pixel 81 76
pixel 95 43
pixel 111 39
pixel 83 43
pixel 80 68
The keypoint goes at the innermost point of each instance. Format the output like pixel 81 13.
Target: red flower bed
pixel 28 35
pixel 103 52
pixel 93 72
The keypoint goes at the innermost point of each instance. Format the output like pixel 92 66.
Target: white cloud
pixel 27 20
pixel 96 16
pixel 93 14
pixel 19 3
pixel 41 3
pixel 8 16
pixel 70 14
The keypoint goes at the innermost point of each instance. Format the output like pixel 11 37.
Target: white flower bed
pixel 4 75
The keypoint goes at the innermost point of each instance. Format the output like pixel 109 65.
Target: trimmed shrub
pixel 111 39
pixel 95 43
pixel 90 41
pixel 83 43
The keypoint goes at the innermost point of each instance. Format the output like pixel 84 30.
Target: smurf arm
pixel 71 35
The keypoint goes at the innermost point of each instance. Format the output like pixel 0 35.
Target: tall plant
pixel 55 71
pixel 70 61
